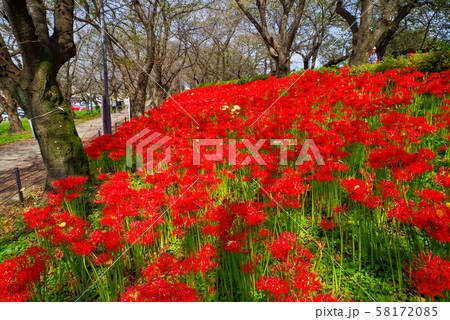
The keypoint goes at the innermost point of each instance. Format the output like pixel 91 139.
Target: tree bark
pixel 305 64
pixel 364 37
pixel 35 87
pixel 282 65
pixel 10 106
pixel 138 96
pixel 61 148
pixel 336 61
pixel 279 45
pixel 369 33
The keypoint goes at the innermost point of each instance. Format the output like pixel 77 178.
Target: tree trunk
pixel 10 106
pixel 364 37
pixel 282 67
pixel 34 85
pixel 314 59
pixel 305 64
pixel 137 101
pixel 361 51
pixel 137 89
pixel 371 33
pixel 15 124
pixel 61 148
pixel 159 96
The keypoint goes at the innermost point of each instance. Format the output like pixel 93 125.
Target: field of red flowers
pixel 372 222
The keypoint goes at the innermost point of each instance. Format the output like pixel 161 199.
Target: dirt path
pixel 26 156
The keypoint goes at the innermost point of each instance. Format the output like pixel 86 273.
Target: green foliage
pixel 434 61
pixel 326 69
pixel 9 248
pixel 236 81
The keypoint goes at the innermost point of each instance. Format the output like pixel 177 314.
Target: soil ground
pixel 26 156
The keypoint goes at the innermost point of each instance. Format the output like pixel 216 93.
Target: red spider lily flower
pixel 431 275
pixel 111 240
pixel 340 209
pixel 160 290
pixel 307 282
pixel 276 287
pixel 249 267
pixel 103 259
pixel 37 218
pixel 388 189
pixel 69 184
pixel 179 233
pixel 264 233
pixel 250 212
pixel 233 246
pixel 59 254
pixel 361 191
pixel 18 275
pixel 323 298
pixel 432 195
pixel 283 246
pixel 327 224
pixel 203 261
pixel 443 177
pixel 83 248
pixel 104 177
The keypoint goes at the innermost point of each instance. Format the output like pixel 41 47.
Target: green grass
pixel 6 138
pixel 85 116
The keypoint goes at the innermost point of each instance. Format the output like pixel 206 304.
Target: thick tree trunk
pixel 314 59
pixel 15 124
pixel 361 51
pixel 10 106
pixel 61 148
pixel 282 65
pixel 364 37
pixel 137 90
pixel 159 95
pixel 137 101
pixel 371 33
pixel 34 84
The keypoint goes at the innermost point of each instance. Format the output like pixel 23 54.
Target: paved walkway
pixel 26 156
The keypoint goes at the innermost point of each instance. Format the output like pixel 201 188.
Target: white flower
pixel 235 109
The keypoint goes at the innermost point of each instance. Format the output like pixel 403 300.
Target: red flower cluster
pixel 165 277
pixel 380 159
pixel 292 280
pixel 431 275
pixel 161 290
pixel 18 275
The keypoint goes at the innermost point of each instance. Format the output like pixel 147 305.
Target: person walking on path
pixel 373 58
pixel 113 105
